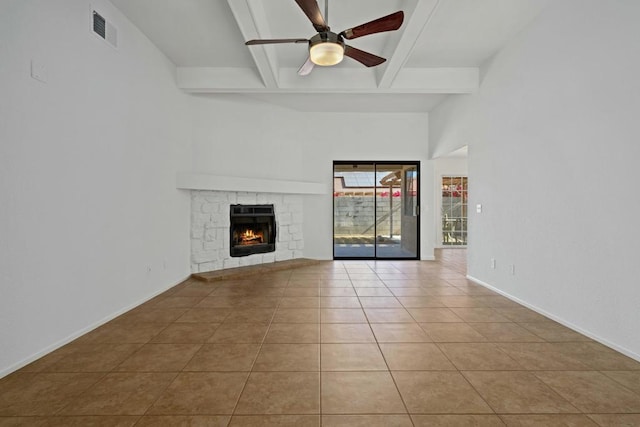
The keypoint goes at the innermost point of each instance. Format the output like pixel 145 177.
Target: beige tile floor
pixel 337 344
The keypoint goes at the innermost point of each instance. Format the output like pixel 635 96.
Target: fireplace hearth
pixel 253 229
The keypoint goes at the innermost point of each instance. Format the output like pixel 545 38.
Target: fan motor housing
pixel 326 37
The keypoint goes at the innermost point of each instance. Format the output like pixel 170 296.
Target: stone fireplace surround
pixel 210 228
pixel 211 198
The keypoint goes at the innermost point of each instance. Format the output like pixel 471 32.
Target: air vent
pixel 99 25
pixel 105 30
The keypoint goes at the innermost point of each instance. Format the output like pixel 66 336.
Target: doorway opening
pixel 376 210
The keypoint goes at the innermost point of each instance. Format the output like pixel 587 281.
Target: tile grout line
pixel 404 404
pixel 177 374
pixel 320 353
pixel 264 337
pixel 591 367
pixel 113 371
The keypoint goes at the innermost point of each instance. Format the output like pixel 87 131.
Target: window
pixel 454 210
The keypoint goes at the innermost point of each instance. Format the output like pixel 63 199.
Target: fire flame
pixel 250 237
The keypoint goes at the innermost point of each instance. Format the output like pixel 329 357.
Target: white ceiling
pixel 436 52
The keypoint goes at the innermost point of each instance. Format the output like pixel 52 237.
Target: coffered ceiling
pixel 437 51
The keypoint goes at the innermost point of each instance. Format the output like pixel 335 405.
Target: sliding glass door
pixel 376 210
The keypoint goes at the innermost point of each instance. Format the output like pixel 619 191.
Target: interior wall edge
pixel 52 347
pixel 559 319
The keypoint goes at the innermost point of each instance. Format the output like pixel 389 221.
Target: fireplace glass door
pixel 253 229
pixel 376 210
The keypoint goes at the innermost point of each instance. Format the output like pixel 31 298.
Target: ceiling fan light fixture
pixel 326 49
pixel 326 54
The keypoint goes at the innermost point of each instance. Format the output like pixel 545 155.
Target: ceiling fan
pixel 328 48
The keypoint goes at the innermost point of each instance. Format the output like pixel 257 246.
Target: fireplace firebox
pixel 253 229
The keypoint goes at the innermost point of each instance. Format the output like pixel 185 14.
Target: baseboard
pixel 6 371
pixel 560 320
pixel 428 258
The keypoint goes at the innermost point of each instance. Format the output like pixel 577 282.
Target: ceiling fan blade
pixel 311 9
pixel 386 23
pixel 306 68
pixel 274 41
pixel 365 58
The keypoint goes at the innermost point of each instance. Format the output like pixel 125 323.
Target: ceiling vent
pixel 105 30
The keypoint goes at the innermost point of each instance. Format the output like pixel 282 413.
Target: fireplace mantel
pixel 201 181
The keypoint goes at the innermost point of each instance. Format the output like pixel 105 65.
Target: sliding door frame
pixel 375 164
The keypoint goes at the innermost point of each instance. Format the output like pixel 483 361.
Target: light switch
pixel 479 208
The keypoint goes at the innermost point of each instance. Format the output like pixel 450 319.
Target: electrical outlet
pixel 513 269
pixel 493 263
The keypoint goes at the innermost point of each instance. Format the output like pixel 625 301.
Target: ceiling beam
pixel 333 80
pixel 252 21
pixel 399 52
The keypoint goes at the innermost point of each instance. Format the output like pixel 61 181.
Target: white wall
pixel 238 136
pixel 553 150
pixel 87 174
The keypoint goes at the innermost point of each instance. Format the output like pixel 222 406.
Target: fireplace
pixel 253 229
